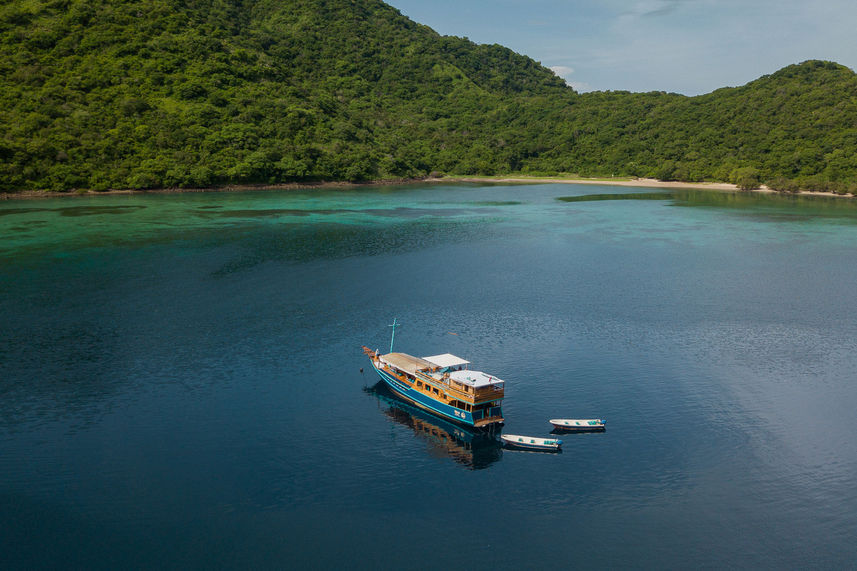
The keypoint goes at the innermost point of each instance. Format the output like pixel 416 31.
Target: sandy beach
pixel 636 182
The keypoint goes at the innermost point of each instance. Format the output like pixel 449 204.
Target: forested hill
pixel 105 94
pixel 797 127
pixel 110 93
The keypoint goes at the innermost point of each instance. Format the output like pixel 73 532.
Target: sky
pixel 682 46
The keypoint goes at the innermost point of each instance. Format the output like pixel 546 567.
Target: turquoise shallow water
pixel 180 378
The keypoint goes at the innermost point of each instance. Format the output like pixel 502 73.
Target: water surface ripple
pixel 180 379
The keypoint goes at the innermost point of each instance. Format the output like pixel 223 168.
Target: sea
pixel 182 384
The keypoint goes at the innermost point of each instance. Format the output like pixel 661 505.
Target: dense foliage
pixel 149 93
pixel 795 128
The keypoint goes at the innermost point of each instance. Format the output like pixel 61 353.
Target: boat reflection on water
pixel 474 449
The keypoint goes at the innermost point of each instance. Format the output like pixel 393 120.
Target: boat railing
pixel 461 394
pixel 493 392
pixel 444 381
pixel 488 393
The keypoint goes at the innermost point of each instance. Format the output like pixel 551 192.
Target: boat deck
pixel 406 363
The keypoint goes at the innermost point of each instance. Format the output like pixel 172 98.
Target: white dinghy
pixel 578 424
pixel 531 442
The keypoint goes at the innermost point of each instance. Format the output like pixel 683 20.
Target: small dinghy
pixel 578 424
pixel 531 442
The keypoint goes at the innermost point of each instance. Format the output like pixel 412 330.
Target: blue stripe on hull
pixel 423 401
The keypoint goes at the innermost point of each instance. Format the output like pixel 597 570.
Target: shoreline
pixel 635 183
pixel 649 183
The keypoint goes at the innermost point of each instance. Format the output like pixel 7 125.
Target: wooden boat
pixel 442 385
pixel 531 442
pixel 578 424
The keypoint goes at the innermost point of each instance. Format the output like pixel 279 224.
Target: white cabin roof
pixel 446 360
pixel 405 362
pixel 475 378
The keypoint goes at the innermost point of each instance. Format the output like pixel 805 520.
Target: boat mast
pixel 393 336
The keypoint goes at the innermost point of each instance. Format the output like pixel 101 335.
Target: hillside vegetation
pixel 105 94
pixel 797 127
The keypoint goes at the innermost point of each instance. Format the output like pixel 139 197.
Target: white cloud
pixel 561 70
pixel 565 72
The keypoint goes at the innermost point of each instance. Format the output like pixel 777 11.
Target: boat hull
pixel 570 425
pixel 578 429
pixel 437 408
pixel 530 443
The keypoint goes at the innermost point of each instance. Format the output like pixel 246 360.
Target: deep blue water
pixel 180 379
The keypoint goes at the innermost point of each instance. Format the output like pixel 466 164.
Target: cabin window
pixel 435 391
pixel 419 384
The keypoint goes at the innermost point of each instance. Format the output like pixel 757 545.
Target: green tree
pixel 746 178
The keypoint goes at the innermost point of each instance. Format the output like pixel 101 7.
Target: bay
pixel 181 385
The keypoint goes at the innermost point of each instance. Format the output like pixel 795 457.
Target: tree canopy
pixel 102 94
